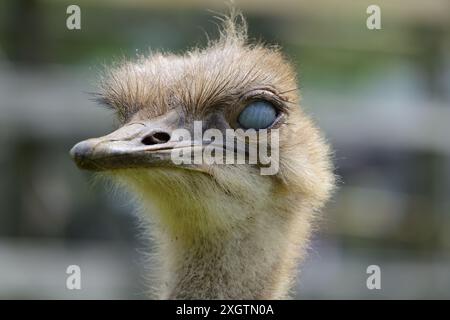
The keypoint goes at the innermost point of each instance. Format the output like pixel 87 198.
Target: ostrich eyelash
pixel 290 90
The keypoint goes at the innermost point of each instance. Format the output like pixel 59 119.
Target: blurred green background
pixel 382 98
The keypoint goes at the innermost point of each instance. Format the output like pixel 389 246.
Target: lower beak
pixel 132 146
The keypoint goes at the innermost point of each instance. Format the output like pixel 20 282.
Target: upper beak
pixel 137 144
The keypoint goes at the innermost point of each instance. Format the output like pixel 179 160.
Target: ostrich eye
pixel 258 115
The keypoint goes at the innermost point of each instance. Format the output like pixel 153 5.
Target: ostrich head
pixel 223 230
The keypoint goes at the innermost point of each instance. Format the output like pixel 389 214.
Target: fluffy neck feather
pixel 213 244
pixel 253 261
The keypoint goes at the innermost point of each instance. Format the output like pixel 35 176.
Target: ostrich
pixel 222 231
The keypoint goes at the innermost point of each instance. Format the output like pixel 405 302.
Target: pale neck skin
pixel 209 247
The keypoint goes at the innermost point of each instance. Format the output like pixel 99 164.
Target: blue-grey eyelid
pixel 267 104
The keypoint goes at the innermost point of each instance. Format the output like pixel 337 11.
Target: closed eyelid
pixel 265 95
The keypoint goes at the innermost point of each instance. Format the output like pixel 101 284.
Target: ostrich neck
pixel 251 258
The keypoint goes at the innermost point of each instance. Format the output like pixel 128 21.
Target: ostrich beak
pixel 135 145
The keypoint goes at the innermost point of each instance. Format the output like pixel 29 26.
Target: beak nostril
pixel 158 137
